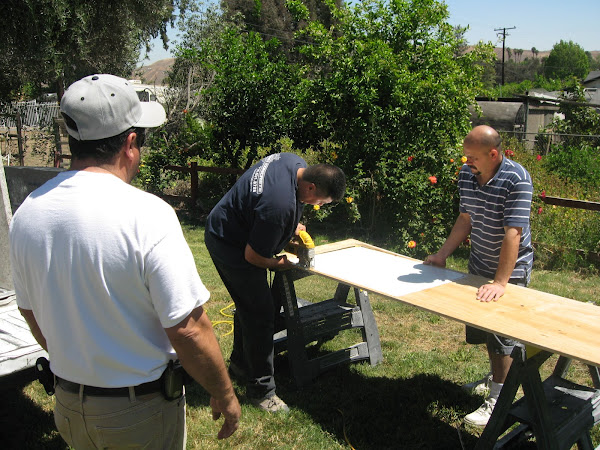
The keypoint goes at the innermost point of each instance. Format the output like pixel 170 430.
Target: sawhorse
pixel 558 412
pixel 308 322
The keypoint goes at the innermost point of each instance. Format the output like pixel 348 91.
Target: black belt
pixel 147 388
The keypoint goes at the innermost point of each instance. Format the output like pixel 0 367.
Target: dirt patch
pixel 39 147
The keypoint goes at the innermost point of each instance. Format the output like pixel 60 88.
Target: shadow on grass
pixel 385 413
pixel 375 412
pixel 24 424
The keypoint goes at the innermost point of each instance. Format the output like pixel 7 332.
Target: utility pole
pixel 503 35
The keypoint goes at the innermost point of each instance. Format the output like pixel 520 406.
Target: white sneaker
pixel 480 416
pixel 479 387
pixel 271 404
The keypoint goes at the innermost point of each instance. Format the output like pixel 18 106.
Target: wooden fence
pixel 193 170
pixel 574 204
pixel 31 114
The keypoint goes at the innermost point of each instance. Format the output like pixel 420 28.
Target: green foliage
pixel 382 90
pixel 191 141
pixel 576 163
pixel 251 95
pixel 521 88
pixel 562 236
pixel 565 60
pixel 56 42
pixel 387 85
pixel 579 119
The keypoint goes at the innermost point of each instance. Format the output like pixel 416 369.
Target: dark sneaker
pixel 270 404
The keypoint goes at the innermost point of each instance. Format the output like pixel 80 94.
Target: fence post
pixel 57 142
pixel 20 138
pixel 194 184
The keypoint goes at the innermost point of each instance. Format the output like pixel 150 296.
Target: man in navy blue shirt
pixel 495 203
pixel 249 225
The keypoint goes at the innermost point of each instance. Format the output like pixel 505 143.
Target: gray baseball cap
pixel 102 106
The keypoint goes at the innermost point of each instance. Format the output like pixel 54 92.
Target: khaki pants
pixel 147 421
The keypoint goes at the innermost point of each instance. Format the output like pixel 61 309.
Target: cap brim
pixel 153 115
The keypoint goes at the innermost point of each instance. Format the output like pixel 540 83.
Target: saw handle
pixel 306 239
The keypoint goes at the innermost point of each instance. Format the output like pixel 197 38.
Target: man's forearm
pixel 460 231
pixel 280 262
pixel 199 353
pixel 509 253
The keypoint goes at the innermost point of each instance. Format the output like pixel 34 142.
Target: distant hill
pixel 155 73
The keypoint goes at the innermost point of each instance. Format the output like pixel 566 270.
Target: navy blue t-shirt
pixel 261 209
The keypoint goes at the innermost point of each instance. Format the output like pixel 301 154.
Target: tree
pixel 273 19
pixel 388 87
pixel 566 59
pixel 384 93
pixel 56 42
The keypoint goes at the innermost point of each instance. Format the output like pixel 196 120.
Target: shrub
pixel 576 163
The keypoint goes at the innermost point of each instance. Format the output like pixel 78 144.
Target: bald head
pixel 484 138
pixel 482 149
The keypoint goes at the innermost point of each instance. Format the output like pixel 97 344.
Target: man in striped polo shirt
pixel 495 203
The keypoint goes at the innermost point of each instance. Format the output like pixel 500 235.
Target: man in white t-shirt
pixel 109 287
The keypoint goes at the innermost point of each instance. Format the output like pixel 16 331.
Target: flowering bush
pixel 560 234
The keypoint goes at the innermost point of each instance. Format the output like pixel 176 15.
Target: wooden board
pixel 560 325
pixel 18 348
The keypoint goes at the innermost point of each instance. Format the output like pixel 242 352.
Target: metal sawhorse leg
pixel 558 412
pixel 308 322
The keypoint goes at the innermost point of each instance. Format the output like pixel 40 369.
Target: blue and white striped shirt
pixel 505 200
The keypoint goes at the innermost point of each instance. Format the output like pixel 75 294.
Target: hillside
pixel 155 73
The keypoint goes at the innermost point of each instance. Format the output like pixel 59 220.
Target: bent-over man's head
pixel 329 180
pixel 101 111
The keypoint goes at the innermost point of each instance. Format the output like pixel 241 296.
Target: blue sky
pixel 539 23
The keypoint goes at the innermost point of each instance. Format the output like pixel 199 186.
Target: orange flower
pixel 411 244
pixel 451 160
pixel 433 179
pixel 410 158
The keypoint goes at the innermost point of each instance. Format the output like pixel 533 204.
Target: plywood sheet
pixel 557 324
pixel 18 348
pixel 393 275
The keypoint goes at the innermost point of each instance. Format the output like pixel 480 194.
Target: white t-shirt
pixel 105 268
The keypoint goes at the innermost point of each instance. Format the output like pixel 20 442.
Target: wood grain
pixel 557 324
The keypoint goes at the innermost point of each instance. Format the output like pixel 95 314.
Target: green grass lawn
pixel 412 400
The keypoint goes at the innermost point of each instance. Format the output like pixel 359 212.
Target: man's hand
pixel 231 411
pixel 299 228
pixel 490 292
pixel 435 260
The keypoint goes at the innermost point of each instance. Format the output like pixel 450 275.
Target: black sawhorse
pixel 557 412
pixel 307 322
